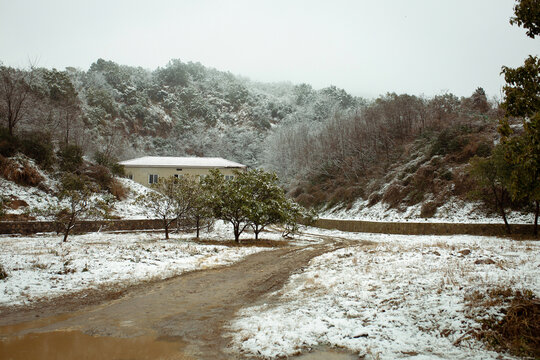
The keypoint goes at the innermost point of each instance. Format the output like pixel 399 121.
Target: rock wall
pixel 426 228
pixel 32 227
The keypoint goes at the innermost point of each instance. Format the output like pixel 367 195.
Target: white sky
pixel 366 47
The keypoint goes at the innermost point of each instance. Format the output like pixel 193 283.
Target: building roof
pixel 181 162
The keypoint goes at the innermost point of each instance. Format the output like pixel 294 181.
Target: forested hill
pixel 326 145
pixel 179 109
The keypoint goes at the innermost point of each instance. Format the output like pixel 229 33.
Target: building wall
pixel 141 174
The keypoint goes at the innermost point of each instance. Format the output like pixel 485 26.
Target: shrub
pixel 101 175
pixel 117 190
pixel 393 195
pixel 3 273
pixel 446 174
pixel 9 144
pixel 428 209
pixel 118 169
pixel 517 332
pixel 38 146
pixel 449 141
pixel 3 201
pixel 22 174
pixel 110 162
pixel 374 198
pixel 70 158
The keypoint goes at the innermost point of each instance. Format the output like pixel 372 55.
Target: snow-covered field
pixel 42 266
pixel 402 297
pixel 453 211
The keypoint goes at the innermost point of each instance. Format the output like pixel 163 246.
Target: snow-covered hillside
pixel 454 210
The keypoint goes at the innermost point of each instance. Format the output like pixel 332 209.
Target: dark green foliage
pixel 527 15
pixel 522 99
pixel 252 198
pixel 484 149
pixel 70 157
pixel 110 162
pixel 38 146
pixel 492 177
pixel 450 140
pixel 9 144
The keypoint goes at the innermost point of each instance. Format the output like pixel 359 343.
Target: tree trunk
pixel 500 205
pixel 506 224
pixel 257 234
pixel 237 233
pixel 198 226
pixel 66 233
pixel 166 226
pixel 535 229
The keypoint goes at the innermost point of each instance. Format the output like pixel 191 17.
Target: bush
pixel 428 209
pixel 117 190
pixel 118 169
pixel 110 162
pixel 22 174
pixel 38 146
pixel 9 144
pixel 70 158
pixel 101 175
pixel 3 273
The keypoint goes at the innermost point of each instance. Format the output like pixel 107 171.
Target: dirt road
pixel 186 314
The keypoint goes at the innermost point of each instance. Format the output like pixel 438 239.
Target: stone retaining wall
pixel 426 228
pixel 32 227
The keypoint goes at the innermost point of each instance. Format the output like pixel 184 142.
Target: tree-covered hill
pixel 327 146
pixel 179 109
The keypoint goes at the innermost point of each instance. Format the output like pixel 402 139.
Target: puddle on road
pixel 58 345
pixel 40 322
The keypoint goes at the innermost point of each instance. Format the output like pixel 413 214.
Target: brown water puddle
pixel 40 322
pixel 62 345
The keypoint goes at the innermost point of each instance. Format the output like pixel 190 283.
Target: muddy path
pixel 189 311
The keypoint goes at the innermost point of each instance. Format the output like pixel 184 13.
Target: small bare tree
pixel 76 201
pixel 15 89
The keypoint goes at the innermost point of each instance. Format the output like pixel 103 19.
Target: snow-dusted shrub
pixel 3 272
pixel 20 172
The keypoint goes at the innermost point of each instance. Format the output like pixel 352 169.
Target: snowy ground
pixel 38 199
pixel 42 266
pixel 454 211
pixel 400 298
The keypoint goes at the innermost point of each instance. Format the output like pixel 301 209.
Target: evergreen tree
pixel 522 99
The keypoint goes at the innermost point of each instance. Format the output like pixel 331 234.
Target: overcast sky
pixel 366 47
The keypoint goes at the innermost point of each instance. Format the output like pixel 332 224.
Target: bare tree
pixel 15 89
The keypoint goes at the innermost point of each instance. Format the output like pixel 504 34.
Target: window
pixel 229 177
pixel 152 179
pixel 130 176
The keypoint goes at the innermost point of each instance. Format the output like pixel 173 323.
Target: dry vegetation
pixel 401 149
pixel 20 172
pixel 515 328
